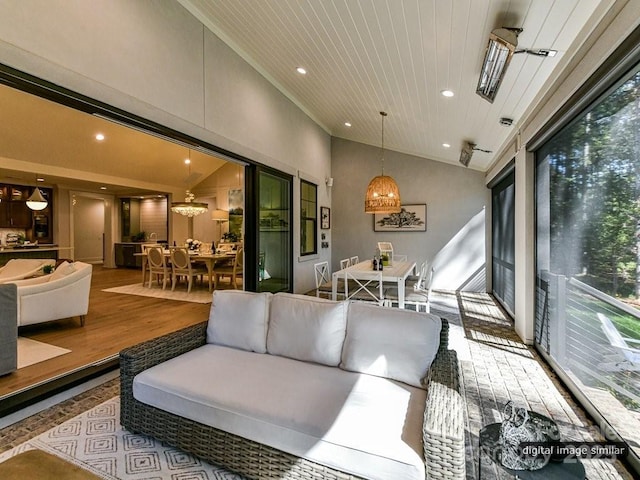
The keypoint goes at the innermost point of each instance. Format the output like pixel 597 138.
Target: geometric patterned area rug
pixel 95 441
pixel 31 351
pixel 196 295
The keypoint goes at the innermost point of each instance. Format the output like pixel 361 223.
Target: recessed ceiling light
pixel 39 179
pixel 103 188
pixel 301 71
pixel 347 124
pixel 187 161
pixel 99 137
pixel 447 93
pixel 446 145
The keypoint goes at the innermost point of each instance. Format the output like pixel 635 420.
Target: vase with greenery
pixel 230 237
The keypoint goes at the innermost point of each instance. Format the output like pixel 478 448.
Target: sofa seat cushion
pixel 361 424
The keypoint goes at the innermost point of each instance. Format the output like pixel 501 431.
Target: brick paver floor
pixel 498 367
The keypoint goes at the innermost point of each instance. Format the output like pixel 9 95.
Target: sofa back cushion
pixel 239 319
pixel 307 328
pixel 390 342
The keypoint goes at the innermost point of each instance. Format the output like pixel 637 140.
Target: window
pixel 308 218
pixel 503 242
pixel 588 253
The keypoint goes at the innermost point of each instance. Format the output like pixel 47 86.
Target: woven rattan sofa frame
pixel 443 429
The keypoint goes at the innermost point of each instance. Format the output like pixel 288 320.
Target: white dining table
pixel 396 273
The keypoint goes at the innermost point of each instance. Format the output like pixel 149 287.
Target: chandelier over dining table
pixel 383 194
pixel 189 208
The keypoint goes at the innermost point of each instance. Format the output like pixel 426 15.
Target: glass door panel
pixel 274 233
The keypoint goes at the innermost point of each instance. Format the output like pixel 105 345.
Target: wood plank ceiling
pixel 363 56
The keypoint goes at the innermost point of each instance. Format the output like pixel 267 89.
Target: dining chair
pixel 417 296
pixel 370 290
pixel 344 263
pixel 262 259
pixel 181 265
pixel 324 283
pixel 157 264
pixel 323 279
pixel 417 279
pixel 234 271
pixel 145 261
pixel 353 260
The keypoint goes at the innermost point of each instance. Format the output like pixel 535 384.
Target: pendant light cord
pixel 383 114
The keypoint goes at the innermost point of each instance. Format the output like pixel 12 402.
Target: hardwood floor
pixel 115 321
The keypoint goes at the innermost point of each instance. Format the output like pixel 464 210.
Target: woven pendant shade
pixel 383 194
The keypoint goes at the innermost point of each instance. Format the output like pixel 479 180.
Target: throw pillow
pixel 390 342
pixel 307 328
pixel 64 269
pixel 239 319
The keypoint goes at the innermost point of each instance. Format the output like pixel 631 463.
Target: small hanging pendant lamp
pixel 383 195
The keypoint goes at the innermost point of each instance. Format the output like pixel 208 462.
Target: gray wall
pixel 456 199
pixel 154 59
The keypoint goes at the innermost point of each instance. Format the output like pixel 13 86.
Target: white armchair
pixel 19 268
pixel 62 294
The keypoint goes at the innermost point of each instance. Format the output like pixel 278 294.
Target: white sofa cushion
pixel 368 426
pixel 239 319
pixel 307 328
pixel 390 342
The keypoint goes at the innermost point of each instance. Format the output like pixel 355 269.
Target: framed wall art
pixel 325 218
pixel 411 218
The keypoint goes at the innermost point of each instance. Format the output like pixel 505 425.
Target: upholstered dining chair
pixel 145 261
pixel 181 265
pixel 234 271
pixel 157 264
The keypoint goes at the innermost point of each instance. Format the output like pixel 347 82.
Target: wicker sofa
pixel 327 413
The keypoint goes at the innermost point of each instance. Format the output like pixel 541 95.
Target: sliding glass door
pixel 274 239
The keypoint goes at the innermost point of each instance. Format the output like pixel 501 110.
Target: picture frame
pixel 411 218
pixel 325 218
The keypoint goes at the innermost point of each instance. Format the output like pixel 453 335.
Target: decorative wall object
pixel 410 218
pixel 236 212
pixel 325 218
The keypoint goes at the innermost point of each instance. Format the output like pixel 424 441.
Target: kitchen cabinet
pixel 14 212
pixel 125 255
